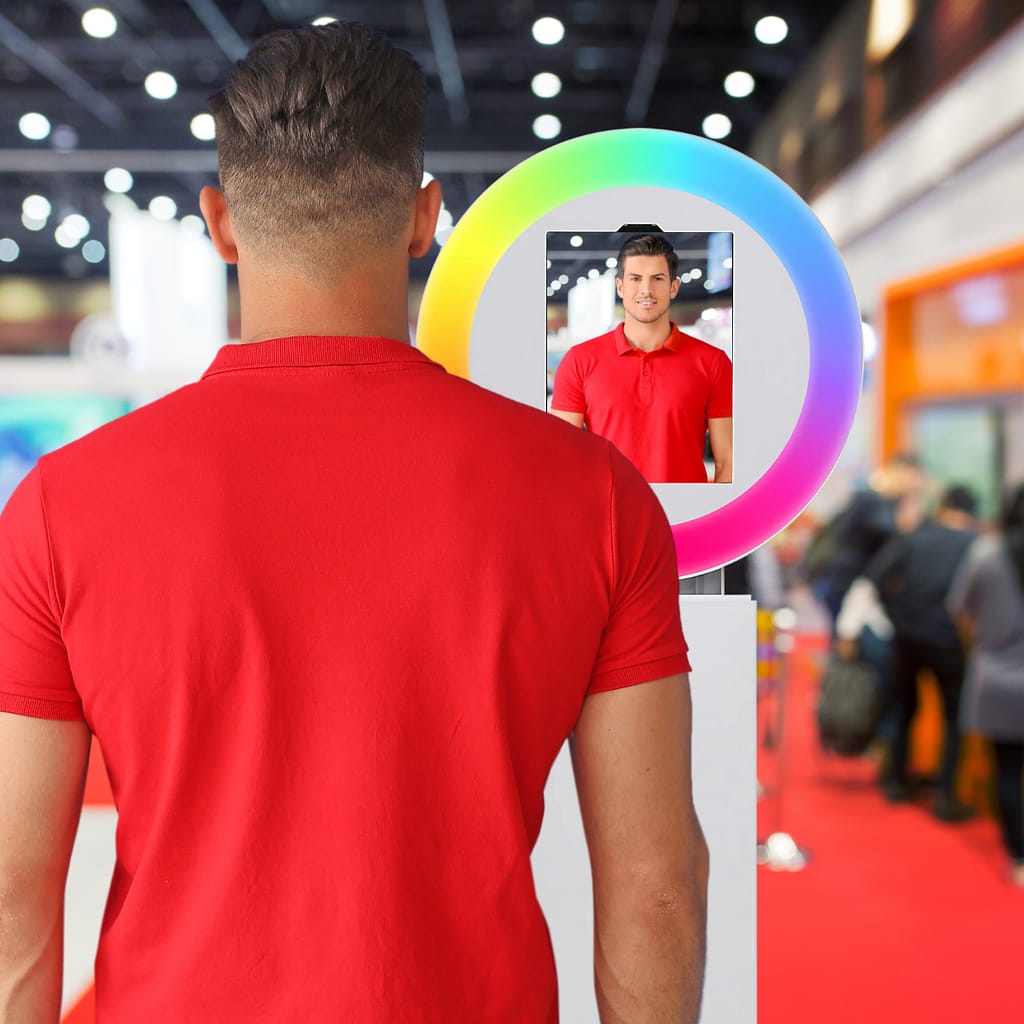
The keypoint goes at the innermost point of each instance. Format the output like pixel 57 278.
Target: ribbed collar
pixel 672 344
pixel 312 351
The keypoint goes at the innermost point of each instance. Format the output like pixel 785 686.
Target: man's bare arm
pixel 720 435
pixel 631 756
pixel 575 418
pixel 42 774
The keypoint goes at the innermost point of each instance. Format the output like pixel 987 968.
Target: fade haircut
pixel 647 245
pixel 320 144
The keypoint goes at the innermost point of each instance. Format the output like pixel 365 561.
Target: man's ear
pixel 618 287
pixel 215 212
pixel 673 290
pixel 428 206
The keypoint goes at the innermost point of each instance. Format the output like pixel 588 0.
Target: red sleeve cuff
pixel 33 707
pixel 646 672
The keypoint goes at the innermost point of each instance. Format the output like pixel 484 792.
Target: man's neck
pixel 369 301
pixel 647 337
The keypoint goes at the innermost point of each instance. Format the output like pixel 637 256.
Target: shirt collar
pixel 623 347
pixel 312 351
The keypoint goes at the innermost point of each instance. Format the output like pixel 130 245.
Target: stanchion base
pixel 779 852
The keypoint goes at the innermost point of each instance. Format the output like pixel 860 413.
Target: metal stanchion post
pixel 780 851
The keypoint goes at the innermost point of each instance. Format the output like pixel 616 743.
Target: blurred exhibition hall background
pixel 901 122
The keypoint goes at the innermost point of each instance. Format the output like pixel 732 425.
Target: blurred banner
pixel 168 289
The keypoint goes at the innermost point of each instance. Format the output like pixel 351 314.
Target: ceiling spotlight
pixel 163 207
pixel 563 279
pixel 685 278
pixel 548 31
pixel 707 314
pixel 716 126
pixel 117 179
pixel 93 251
pixel 593 272
pixel 771 30
pixel 546 85
pixel 66 239
pixel 99 23
pixel 581 280
pixel 739 84
pixel 36 207
pixel 34 126
pixel 324 19
pixel 555 285
pixel 193 225
pixel 9 250
pixel 161 85
pixel 709 284
pixel 727 263
pixel 611 262
pixel 33 223
pixel 547 126
pixel 75 224
pixel 576 241
pixel 64 138
pixel 203 128
pixel 696 274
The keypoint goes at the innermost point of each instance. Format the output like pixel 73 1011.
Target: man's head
pixel 320 146
pixel 900 476
pixel 958 498
pixel 645 277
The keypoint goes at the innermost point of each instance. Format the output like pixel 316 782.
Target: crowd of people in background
pixel 913 582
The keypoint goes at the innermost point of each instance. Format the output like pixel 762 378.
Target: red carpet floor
pixel 896 917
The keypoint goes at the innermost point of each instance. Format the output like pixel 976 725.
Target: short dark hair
pixel 647 245
pixel 320 141
pixel 959 498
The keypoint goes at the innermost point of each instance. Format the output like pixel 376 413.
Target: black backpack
pixel 849 706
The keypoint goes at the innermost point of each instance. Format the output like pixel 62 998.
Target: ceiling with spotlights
pixel 111 96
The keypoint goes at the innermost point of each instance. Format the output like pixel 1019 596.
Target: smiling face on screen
pixel 646 288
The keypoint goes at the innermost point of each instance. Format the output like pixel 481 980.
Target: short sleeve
pixel 35 678
pixel 643 639
pixel 720 399
pixel 568 393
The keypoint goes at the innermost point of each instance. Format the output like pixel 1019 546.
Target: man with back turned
pixel 331 613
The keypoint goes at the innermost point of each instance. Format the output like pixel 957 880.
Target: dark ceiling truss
pixel 651 59
pixel 657 63
pixel 52 68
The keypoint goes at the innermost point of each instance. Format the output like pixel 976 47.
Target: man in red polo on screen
pixel 647 387
pixel 331 613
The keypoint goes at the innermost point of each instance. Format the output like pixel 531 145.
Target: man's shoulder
pixel 127 433
pixel 516 423
pixel 600 344
pixel 699 348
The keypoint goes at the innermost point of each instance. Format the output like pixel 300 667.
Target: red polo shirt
pixel 331 614
pixel 653 406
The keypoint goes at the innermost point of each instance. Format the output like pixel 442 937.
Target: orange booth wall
pixel 931 354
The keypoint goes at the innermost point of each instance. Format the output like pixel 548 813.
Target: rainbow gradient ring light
pixel 797 343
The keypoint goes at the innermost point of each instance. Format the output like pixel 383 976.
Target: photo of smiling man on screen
pixel 652 390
